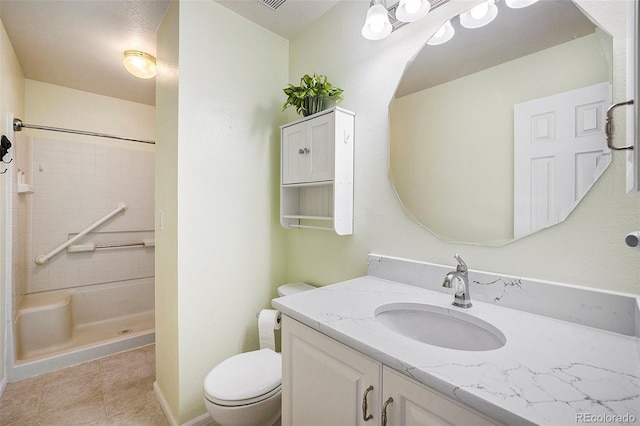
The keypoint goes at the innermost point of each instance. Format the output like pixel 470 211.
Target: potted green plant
pixel 308 98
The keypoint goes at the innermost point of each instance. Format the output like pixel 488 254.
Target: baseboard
pixel 163 404
pixel 3 386
pixel 202 420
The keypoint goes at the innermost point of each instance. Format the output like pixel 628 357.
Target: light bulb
pixel 412 10
pixel 479 15
pixel 412 6
pixel 443 35
pixel 480 11
pixel 377 25
pixel 518 4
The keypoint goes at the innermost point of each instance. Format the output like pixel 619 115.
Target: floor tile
pixel 83 412
pixel 116 390
pixel 71 375
pixel 123 369
pixel 20 400
pixel 149 414
pixel 70 391
pixel 125 397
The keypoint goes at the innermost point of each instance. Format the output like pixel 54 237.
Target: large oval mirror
pixel 499 132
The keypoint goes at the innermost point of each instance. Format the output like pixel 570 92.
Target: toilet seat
pixel 245 378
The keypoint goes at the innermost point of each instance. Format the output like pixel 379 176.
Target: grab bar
pixel 44 258
pixel 93 246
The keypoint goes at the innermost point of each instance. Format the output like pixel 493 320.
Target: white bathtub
pixel 56 329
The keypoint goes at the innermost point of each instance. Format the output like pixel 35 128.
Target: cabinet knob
pixel 304 151
pixel 366 417
pixel 384 411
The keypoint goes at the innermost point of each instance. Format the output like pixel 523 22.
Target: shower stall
pixel 80 249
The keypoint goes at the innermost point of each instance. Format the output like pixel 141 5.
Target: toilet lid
pixel 244 376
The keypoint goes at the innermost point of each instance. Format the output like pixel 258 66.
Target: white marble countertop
pixel 549 372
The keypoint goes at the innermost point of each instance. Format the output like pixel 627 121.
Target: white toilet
pixel 245 389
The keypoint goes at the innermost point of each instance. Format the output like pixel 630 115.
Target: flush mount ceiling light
pixel 412 10
pixel 480 15
pixel 377 25
pixel 517 4
pixel 443 35
pixel 140 64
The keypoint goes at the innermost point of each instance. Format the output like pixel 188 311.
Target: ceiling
pixel 80 43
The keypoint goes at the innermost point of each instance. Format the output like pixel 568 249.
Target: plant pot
pixel 313 104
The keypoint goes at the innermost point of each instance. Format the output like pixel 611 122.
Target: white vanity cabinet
pixel 413 403
pixel 325 383
pixel 316 182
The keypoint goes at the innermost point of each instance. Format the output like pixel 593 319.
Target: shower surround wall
pixel 74 185
pixel 19 220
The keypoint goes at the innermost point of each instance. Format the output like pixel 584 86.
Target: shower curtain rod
pixel 18 125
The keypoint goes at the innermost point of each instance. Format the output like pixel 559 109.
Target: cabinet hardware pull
pixel 304 151
pixel 609 127
pixel 384 411
pixel 366 417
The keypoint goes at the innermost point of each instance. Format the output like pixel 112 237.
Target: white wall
pixel 588 249
pixel 11 100
pixel 56 106
pixel 224 211
pixel 167 344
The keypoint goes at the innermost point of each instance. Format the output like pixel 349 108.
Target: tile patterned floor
pixel 116 390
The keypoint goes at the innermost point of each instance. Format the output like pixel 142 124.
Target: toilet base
pixel 263 413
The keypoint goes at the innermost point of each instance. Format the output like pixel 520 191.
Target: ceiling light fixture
pixel 412 10
pixel 480 15
pixel 140 64
pixel 517 4
pixel 443 35
pixel 377 25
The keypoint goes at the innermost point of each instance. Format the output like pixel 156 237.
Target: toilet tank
pixel 288 289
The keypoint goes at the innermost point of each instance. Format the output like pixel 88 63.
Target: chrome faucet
pixel 462 298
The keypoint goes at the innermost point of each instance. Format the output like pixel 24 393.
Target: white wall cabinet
pixel 325 383
pixel 316 172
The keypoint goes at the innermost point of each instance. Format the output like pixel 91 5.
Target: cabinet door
pixel 321 137
pixel 324 382
pixel 294 157
pixel 416 405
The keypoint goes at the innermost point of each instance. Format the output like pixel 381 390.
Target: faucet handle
pixel 462 267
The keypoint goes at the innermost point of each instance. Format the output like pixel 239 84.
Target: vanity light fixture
pixel 412 10
pixel 443 35
pixel 518 4
pixel 140 64
pixel 480 15
pixel 377 25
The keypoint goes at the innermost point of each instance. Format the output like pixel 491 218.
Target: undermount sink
pixel 438 326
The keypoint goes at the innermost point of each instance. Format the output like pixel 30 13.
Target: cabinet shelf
pixel 306 217
pixel 309 184
pixel 316 174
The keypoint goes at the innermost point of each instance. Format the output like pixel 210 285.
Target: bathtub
pixel 57 329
